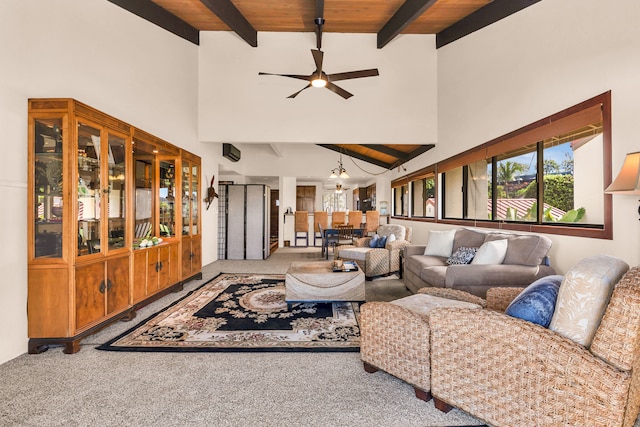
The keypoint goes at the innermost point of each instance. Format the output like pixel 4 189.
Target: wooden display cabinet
pixel 98 186
pixel 191 204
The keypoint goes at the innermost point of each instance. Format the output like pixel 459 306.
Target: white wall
pixel 237 105
pixel 101 55
pixel 545 58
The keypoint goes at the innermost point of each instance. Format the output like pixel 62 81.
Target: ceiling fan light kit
pixel 319 78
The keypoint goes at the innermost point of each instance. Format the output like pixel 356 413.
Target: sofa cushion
pixel 440 243
pixel 417 263
pixel 462 255
pixel 492 252
pixel 537 302
pixel 469 238
pixel 354 253
pixel 422 304
pixel 527 250
pixel 434 276
pixel 584 295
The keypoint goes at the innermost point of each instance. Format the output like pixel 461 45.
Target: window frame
pixel 511 141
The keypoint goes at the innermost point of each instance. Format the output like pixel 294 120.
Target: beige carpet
pixel 98 388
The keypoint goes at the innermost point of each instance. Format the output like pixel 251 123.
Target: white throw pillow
pixel 440 243
pixel 391 238
pixel 492 252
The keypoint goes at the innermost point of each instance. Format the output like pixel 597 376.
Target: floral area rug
pixel 244 312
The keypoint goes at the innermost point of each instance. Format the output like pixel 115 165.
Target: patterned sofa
pixel 508 371
pixel 511 372
pixel 378 261
pixel 525 261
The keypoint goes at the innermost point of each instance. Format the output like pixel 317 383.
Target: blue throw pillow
pixel 537 302
pixel 373 243
pixel 382 242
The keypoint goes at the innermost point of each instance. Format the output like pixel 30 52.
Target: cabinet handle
pixel 158 266
pixel 191 255
pixel 161 266
pixel 109 284
pixel 102 287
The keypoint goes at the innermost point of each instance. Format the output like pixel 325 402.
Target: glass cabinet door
pixel 88 189
pixel 47 195
pixel 194 199
pixel 166 195
pixel 186 199
pixel 117 191
pixel 144 160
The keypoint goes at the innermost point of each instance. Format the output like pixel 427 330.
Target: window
pixel 423 192
pixel 546 177
pixel 401 200
pixel 334 202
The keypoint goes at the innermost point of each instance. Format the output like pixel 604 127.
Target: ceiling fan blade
pixel 296 94
pixel 353 75
pixel 336 89
pixel 317 57
pixel 293 76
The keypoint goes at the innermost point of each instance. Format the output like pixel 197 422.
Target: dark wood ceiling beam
pixel 230 15
pixel 408 12
pixel 412 155
pixel 386 150
pixel 146 9
pixel 483 17
pixel 359 156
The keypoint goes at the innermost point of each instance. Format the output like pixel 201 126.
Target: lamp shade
pixel 628 179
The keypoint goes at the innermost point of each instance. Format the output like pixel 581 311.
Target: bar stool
pixel 302 226
pixel 320 218
pixel 373 221
pixel 355 219
pixel 338 218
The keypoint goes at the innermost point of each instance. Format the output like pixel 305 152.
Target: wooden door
pixel 153 270
pixel 306 198
pixel 163 267
pixel 186 257
pixel 117 284
pixel 90 293
pixel 139 287
pixel 174 266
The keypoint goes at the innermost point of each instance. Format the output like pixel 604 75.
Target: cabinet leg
pixel 129 316
pixel 36 347
pixel 71 347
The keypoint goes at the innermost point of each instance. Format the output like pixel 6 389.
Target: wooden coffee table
pixel 317 282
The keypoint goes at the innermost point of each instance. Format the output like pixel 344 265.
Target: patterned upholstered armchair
pixel 378 261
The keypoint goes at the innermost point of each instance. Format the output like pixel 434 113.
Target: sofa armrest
pixel 559 381
pixel 414 250
pixel 618 336
pixel 499 298
pixel 362 242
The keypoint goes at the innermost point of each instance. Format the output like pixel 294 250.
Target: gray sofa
pixel 525 261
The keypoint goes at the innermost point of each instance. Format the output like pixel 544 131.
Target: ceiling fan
pixel 319 78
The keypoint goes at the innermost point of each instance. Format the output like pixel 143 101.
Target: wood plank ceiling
pixel 449 20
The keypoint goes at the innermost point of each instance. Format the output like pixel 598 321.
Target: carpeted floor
pixel 99 388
